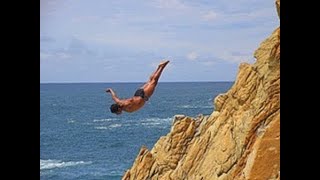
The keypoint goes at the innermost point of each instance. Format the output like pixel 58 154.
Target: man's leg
pixel 155 77
pixel 153 81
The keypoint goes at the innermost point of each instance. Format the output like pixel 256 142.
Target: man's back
pixel 133 104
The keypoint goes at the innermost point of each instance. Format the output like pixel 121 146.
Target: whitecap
pixel 160 120
pixel 115 125
pixel 70 120
pixel 150 122
pixel 50 164
pixel 103 120
pixel 185 106
pixel 194 107
pixel 108 127
pixel 101 127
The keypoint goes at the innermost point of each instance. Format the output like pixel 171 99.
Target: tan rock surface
pixel 239 140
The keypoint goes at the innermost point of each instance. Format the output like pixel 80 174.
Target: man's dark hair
pixel 114 108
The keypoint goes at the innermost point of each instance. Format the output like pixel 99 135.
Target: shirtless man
pixel 141 95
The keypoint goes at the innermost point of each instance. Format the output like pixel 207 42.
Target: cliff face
pixel 239 140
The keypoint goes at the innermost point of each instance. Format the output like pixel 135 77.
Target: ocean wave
pixel 104 120
pixel 150 122
pixel 70 120
pixel 168 119
pixel 194 107
pixel 50 164
pixel 101 127
pixel 108 127
pixel 115 125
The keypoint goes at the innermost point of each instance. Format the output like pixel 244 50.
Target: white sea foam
pixel 115 125
pixel 155 121
pixel 108 127
pixel 101 127
pixel 50 164
pixel 150 124
pixel 194 107
pixel 104 120
pixel 70 120
pixel 160 120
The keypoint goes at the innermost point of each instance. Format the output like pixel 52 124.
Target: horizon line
pixel 131 82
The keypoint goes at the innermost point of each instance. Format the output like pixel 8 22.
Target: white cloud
pixel 51 8
pixel 192 55
pixel 63 55
pixel 44 55
pixel 233 57
pixel 86 19
pixel 54 55
pixel 208 63
pixel 170 4
pixel 209 16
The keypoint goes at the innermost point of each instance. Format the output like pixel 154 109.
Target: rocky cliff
pixel 239 140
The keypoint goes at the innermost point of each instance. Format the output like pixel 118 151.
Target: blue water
pixel 81 139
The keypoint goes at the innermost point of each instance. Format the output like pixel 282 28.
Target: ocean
pixel 81 139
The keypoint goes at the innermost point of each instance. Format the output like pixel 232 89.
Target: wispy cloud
pixel 192 56
pixel 85 19
pixel 208 63
pixel 44 38
pixel 63 55
pixel 236 57
pixel 54 56
pixel 211 15
pixel 260 14
pixel 51 7
pixel 170 4
pixel 44 55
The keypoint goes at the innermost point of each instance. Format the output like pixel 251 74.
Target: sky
pixel 125 40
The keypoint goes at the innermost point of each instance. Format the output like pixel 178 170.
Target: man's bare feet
pixel 164 63
pixel 108 90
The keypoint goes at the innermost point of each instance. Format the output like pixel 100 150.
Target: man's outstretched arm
pixel 114 96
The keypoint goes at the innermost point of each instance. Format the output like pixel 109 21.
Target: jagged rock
pixel 219 101
pixel 239 140
pixel 278 7
pixel 177 117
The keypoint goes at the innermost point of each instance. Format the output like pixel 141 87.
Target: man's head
pixel 115 108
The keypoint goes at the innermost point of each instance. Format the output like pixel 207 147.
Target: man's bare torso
pixel 132 104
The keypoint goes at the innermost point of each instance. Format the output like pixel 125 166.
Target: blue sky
pixel 124 40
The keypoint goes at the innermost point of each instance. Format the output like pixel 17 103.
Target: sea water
pixel 81 139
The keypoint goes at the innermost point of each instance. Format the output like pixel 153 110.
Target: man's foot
pixel 164 63
pixel 108 90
